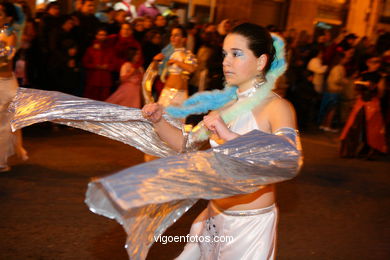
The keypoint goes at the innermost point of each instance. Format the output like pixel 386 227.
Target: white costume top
pixel 182 55
pixel 243 124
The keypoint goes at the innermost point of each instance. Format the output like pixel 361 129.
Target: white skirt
pixel 172 97
pixel 246 235
pixel 8 88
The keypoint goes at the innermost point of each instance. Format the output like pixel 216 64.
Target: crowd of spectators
pixel 80 52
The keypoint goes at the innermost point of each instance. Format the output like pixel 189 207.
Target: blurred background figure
pixel 148 8
pixel 99 64
pixel 364 132
pixel 131 73
pixel 10 143
pixel 336 83
pixel 126 6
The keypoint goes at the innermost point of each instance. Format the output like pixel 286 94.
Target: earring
pixel 259 80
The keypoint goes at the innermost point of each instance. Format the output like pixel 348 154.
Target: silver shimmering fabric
pixel 127 125
pixel 146 199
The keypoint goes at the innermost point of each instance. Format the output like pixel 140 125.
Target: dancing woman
pixel 9 143
pixel 181 63
pixel 250 218
pixel 255 145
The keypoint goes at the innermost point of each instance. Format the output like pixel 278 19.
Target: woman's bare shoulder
pixel 278 102
pixel 281 113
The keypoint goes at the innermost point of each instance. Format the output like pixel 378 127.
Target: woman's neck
pixel 245 86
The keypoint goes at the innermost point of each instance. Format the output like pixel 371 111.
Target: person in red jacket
pixel 99 64
pixel 121 44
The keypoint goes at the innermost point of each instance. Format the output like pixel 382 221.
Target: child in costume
pixel 129 91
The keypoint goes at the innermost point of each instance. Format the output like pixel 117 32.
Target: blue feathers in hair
pixel 201 103
pixel 278 65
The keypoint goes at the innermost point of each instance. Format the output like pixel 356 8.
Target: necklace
pixel 249 92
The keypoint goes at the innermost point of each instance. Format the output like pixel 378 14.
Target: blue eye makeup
pixel 237 53
pixel 234 53
pixel 224 54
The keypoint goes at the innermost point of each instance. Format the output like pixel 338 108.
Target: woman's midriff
pixel 264 197
pixel 176 81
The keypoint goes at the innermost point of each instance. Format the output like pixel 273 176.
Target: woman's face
pixel 157 39
pixel 240 65
pixel 120 16
pixel 177 39
pixel 160 21
pixel 68 25
pixel 125 31
pixel 148 23
pixel 139 26
pixel 101 36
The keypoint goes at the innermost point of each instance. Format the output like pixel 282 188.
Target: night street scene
pixel 194 129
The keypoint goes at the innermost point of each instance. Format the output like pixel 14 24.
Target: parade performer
pixel 9 143
pixel 364 132
pixel 254 145
pixel 174 72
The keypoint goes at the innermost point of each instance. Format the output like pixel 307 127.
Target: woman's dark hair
pixel 52 4
pixel 182 30
pixel 10 11
pixel 259 40
pixel 150 35
pixel 131 53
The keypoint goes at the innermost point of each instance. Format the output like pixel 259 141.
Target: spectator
pixel 151 46
pixel 318 68
pixel 148 9
pixel 129 91
pixel 337 81
pixel 138 29
pixel 98 62
pixel 69 71
pixel 160 24
pixel 126 6
pixel 364 132
pixel 88 24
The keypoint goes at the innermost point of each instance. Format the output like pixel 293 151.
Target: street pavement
pixel 335 209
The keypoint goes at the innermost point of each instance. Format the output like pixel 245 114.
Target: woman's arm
pixel 167 132
pixel 126 71
pixel 185 66
pixel 156 59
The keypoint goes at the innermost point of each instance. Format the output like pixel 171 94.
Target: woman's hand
pixel 153 112
pixel 158 57
pixel 171 62
pixel 217 126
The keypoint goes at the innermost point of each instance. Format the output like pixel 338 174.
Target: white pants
pixel 253 234
pixel 8 88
